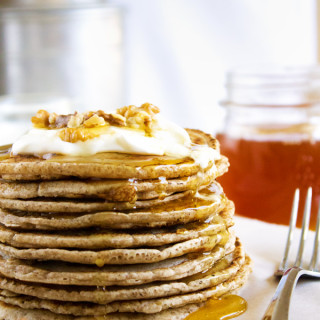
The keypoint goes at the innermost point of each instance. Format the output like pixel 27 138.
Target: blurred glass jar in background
pixel 63 48
pixel 272 139
pixel 16 112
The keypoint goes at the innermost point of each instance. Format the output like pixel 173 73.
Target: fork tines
pixel 303 236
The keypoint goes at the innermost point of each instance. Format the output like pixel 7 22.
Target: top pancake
pixel 109 189
pixel 106 165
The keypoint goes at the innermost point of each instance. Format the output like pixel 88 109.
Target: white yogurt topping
pixel 166 139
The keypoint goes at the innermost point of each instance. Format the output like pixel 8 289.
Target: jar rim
pixel 228 103
pixel 268 74
pixel 267 84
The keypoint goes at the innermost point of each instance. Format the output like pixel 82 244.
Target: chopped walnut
pixel 75 120
pixel 52 118
pixel 41 119
pixel 76 134
pixel 61 121
pixel 58 121
pixel 127 111
pixel 150 108
pixel 139 117
pixel 88 115
pixel 94 121
pixel 113 119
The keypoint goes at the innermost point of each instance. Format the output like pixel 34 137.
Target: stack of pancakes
pixel 115 236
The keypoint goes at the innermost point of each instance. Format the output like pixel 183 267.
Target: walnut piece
pixel 75 120
pixel 52 118
pixel 113 119
pixel 76 134
pixel 41 119
pixel 139 117
pixel 94 121
pixel 61 121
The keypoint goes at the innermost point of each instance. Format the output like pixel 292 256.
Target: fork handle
pixel 278 308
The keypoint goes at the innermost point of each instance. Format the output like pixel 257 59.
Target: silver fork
pixel 278 308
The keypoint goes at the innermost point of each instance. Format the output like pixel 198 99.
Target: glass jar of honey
pixel 272 139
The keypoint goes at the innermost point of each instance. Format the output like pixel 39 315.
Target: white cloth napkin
pixel 265 243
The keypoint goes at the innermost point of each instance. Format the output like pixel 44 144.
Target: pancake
pixel 142 306
pixel 112 220
pixel 112 190
pixel 110 165
pixel 99 239
pixel 28 177
pixel 102 165
pixel 183 210
pixel 223 270
pixel 116 256
pixel 11 312
pixel 82 205
pixel 108 275
pixel 93 205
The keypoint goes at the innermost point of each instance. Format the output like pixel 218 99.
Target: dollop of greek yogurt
pixel 166 138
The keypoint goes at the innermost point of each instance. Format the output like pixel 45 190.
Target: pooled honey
pixel 263 176
pixel 228 307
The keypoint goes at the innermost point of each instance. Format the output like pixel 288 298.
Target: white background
pixel 179 50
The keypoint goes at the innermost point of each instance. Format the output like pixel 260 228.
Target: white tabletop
pixel 265 243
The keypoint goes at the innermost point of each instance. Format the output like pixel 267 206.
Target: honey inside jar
pixel 263 176
pixel 272 139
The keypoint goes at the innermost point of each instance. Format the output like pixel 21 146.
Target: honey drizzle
pixel 218 266
pixel 205 228
pixel 5 152
pixel 161 187
pixel 200 201
pixel 130 160
pixel 224 308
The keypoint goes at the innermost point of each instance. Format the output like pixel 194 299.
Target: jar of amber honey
pixel 272 139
